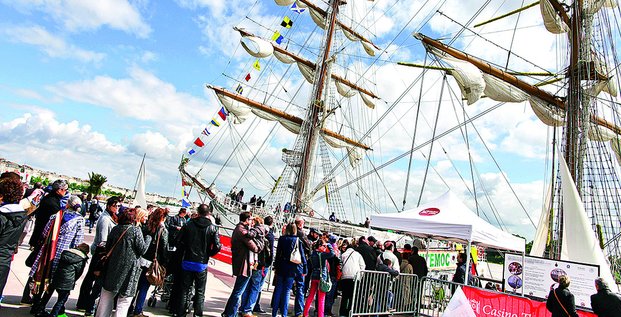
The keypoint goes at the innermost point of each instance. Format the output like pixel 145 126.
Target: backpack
pixel 265 255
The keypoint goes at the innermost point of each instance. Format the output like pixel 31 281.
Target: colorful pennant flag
pixel 222 113
pixel 297 9
pixel 286 22
pixel 257 65
pixel 239 89
pixel 185 203
pixel 191 151
pixel 277 37
pixel 215 122
pixel 205 132
pixel 247 78
pixel 199 142
pixel 184 192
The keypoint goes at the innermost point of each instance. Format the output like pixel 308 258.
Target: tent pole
pixel 467 262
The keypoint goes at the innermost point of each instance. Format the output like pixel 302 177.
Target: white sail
pixel 239 111
pixel 551 20
pixel 368 100
pixel 543 227
pixel 141 197
pixel 284 58
pixel 307 72
pixel 318 18
pixel 499 90
pixel 368 47
pixel 284 2
pixel 545 114
pixel 578 239
pixel 344 90
pixel 256 46
pixel 468 77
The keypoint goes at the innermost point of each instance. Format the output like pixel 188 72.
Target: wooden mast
pixel 281 114
pixel 509 78
pixel 310 131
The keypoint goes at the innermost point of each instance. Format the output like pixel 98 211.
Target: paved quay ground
pixel 219 286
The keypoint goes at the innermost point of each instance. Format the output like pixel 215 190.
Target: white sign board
pixel 537 276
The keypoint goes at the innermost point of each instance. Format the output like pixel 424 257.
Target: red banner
pixel 225 254
pixel 487 303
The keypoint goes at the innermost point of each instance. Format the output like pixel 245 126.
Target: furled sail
pixel 579 243
pixel 547 115
pixel 261 49
pixel 468 77
pixel 318 18
pixel 551 20
pixel 307 72
pixel 283 58
pixel 243 106
pixel 239 110
pixel 284 2
pixel 344 90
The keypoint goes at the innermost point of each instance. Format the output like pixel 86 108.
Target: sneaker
pixel 259 310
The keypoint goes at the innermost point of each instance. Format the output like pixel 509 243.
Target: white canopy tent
pixel 448 218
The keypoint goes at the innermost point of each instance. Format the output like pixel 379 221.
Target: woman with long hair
pixel 322 251
pixel 126 245
pixel 286 271
pixel 155 229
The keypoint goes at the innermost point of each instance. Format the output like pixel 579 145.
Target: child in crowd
pixel 70 268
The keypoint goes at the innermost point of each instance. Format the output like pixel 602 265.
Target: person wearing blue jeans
pixel 238 289
pixel 242 243
pixel 250 295
pixel 143 288
pixel 282 291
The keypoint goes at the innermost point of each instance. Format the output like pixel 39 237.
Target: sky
pixel 93 85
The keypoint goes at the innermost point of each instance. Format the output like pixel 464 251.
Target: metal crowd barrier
pixel 434 296
pixel 378 293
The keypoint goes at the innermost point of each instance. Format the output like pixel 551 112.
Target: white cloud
pixel 52 45
pixel 141 96
pixel 78 15
pixel 43 130
pixel 154 144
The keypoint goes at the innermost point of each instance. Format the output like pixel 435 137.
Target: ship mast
pixel 575 111
pixel 313 122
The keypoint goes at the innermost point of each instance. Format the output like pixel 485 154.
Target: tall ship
pixel 336 110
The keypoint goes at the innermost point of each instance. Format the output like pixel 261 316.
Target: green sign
pixel 441 260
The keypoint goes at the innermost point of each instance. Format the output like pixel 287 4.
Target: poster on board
pixel 538 275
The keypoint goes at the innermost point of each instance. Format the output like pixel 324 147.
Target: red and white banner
pixel 486 303
pixel 225 254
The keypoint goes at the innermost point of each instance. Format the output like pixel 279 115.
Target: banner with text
pixel 440 260
pixel 539 275
pixel 225 255
pixel 492 304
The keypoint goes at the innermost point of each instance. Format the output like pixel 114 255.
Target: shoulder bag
pixel 102 265
pixel 156 273
pixel 325 283
pixel 296 256
pixel 559 302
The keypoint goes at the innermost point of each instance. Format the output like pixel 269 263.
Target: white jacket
pixel 352 263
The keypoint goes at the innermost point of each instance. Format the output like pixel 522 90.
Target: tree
pixel 95 183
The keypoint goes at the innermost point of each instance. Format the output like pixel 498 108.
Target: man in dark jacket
pixel 302 285
pixel 605 303
pixel 174 224
pixel 50 204
pixel 368 254
pixel 419 265
pixel 12 222
pixel 70 268
pixel 241 246
pixel 197 242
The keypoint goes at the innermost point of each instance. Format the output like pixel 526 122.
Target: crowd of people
pixel 147 246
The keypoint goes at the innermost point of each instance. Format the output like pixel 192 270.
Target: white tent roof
pixel 448 218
